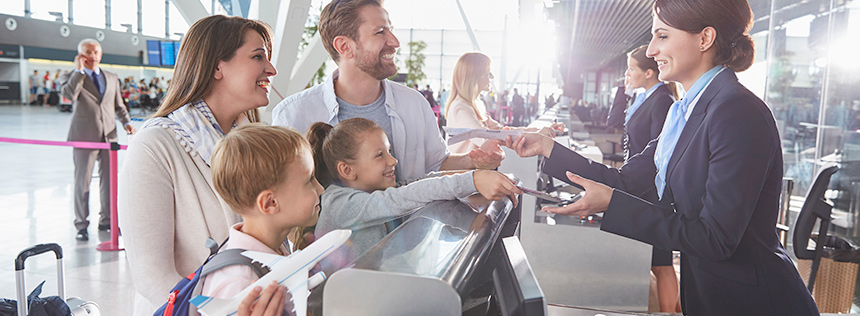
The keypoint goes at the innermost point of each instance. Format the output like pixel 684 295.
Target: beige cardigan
pixel 461 115
pixel 167 209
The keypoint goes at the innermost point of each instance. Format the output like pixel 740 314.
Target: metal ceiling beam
pixel 468 27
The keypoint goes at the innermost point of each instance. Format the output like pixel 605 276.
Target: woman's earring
pixel 702 48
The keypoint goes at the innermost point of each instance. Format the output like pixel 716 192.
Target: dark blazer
pixel 645 124
pixel 719 207
pixel 615 118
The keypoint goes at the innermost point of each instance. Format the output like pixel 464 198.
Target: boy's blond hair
pixel 251 159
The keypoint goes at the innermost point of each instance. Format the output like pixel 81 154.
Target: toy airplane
pixel 290 271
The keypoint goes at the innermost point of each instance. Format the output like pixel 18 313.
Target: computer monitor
pixel 515 286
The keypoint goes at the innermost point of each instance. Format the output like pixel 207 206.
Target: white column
pixel 191 10
pixel 289 27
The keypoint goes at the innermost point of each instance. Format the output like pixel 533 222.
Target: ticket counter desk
pixel 575 263
pixel 441 261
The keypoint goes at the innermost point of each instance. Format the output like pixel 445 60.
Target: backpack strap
pixel 231 257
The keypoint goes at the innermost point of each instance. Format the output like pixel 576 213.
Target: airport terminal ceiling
pixel 604 30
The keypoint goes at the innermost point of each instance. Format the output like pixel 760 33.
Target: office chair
pixel 814 207
pixel 612 155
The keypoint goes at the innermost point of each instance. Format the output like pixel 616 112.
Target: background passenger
pixel 717 167
pixel 354 161
pixel 167 203
pixel 97 104
pixel 466 110
pixel 642 122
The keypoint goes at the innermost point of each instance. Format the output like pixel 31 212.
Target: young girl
pixel 354 161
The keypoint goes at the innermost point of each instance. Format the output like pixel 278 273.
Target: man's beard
pixel 372 65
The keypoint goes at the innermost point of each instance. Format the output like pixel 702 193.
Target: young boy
pixel 266 175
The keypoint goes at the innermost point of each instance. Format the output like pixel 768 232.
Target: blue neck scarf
pixel 674 124
pixel 640 98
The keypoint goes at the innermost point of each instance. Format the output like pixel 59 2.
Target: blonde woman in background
pixel 465 109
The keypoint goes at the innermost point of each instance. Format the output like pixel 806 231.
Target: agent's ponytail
pixel 741 53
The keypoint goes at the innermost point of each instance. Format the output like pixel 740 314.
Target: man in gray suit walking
pixel 97 101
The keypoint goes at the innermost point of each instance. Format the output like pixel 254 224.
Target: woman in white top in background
pixel 465 109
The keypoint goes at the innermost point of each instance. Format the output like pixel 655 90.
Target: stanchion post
pixel 113 244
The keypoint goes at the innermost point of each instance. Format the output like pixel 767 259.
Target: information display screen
pixel 175 50
pixel 168 54
pixel 153 52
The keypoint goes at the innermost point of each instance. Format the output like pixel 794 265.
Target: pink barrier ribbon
pixel 113 244
pixel 85 145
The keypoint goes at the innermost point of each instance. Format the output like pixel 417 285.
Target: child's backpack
pixel 186 289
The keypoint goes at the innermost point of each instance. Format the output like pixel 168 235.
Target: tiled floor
pixel 36 198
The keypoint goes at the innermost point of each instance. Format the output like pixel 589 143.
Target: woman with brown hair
pixel 167 203
pixel 465 109
pixel 717 168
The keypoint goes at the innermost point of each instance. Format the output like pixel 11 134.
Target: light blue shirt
pixel 638 102
pixel 674 125
pixel 418 145
pixel 102 82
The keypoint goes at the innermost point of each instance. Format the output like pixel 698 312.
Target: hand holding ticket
pixel 460 134
pixel 546 197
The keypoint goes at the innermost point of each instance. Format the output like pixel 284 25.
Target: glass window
pixel 12 7
pixel 153 18
pixel 794 84
pixel 839 125
pixel 42 9
pixel 123 12
pixel 89 13
pixel 177 23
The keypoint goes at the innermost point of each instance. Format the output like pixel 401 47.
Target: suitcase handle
pixel 36 250
pixel 19 273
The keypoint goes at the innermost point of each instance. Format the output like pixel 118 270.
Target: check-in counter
pixel 575 263
pixel 438 262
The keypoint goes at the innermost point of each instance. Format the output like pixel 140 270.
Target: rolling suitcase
pixel 53 98
pixel 77 306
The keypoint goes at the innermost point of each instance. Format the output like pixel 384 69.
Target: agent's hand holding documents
pixel 595 198
pixel 460 134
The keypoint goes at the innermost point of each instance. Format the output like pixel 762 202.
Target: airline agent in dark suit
pixel 717 167
pixel 642 122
